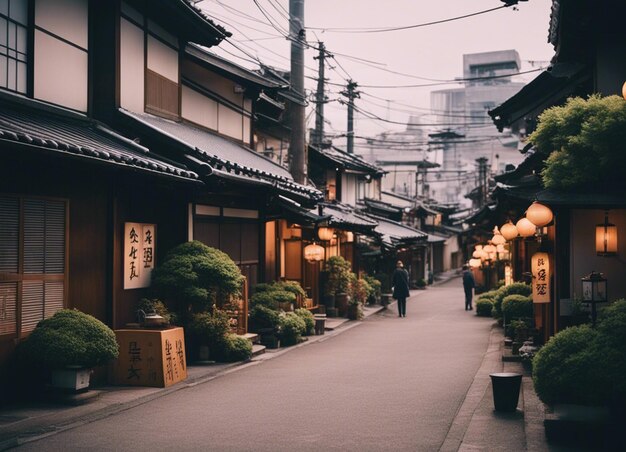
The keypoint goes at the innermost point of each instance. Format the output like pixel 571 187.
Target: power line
pixel 406 27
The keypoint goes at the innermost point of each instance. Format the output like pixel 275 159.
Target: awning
pixel 229 160
pixel 294 212
pixel 348 162
pixel 565 199
pixel 59 131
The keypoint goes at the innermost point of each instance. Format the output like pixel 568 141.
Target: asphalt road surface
pixel 388 384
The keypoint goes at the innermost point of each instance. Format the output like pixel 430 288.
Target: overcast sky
pixel 432 52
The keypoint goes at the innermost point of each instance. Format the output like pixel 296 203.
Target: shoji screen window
pixel 13 44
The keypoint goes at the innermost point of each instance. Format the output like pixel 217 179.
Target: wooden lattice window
pixel 33 237
pixel 162 96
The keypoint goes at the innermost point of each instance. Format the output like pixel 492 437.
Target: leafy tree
pixel 194 277
pixel 583 141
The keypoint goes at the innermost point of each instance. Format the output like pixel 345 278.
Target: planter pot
pixel 328 301
pixel 320 324
pixel 353 312
pixel 506 387
pixel 341 301
pixel 75 379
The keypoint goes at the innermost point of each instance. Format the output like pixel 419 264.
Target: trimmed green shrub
pixel 385 282
pixel 491 295
pixel 292 328
pixel 564 369
pixel 517 288
pixel 513 327
pixel 610 348
pixel 420 283
pixel 233 348
pixel 309 320
pixel 209 328
pixel 194 277
pixel 339 275
pixel 69 338
pixel 517 307
pixel 375 287
pixel 359 290
pixel 262 317
pixel 484 307
pixel 289 286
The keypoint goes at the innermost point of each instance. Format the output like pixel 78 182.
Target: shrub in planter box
pixel 517 307
pixel 518 288
pixel 484 307
pixel 309 320
pixel 292 327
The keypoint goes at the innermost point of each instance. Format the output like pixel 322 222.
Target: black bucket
pixel 506 386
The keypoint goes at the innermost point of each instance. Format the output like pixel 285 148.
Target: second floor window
pixel 13 44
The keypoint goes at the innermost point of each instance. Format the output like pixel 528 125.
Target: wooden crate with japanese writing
pixel 150 357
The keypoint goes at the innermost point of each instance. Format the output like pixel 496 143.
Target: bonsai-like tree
pixel 339 275
pixel 194 277
pixel 583 142
pixel 69 338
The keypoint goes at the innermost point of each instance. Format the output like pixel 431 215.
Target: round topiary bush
pixel 292 327
pixel 308 318
pixel 491 295
pixel 233 348
pixel 517 288
pixel 483 307
pixel 565 371
pixel 195 277
pixel 69 338
pixel 262 317
pixel 264 298
pixel 517 307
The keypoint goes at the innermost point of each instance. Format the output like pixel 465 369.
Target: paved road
pixel 388 384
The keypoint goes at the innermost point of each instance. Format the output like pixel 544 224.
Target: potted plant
pixel 69 345
pixel 207 331
pixel 309 320
pixel 265 322
pixel 359 292
pixel 338 284
pixel 375 289
pixel 292 327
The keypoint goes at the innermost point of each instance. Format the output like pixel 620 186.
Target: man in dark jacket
pixel 400 282
pixel 468 286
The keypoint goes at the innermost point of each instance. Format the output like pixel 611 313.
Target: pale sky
pixel 433 52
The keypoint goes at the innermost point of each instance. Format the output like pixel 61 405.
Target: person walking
pixel 400 282
pixel 468 286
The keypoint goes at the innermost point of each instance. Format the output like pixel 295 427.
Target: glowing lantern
pixel 624 90
pixel 525 227
pixel 606 238
pixel 539 214
pixel 498 239
pixel 508 231
pixel 474 263
pixel 349 237
pixel 326 234
pixel 500 248
pixel 313 252
pixel 489 248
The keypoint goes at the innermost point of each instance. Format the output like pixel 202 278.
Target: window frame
pixel 29 48
pixel 20 277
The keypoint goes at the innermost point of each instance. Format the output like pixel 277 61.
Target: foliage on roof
pixel 583 141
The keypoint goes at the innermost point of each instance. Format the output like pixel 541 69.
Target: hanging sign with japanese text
pixel 540 266
pixel 139 254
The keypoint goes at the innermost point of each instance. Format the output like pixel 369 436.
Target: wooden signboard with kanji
pixel 540 266
pixel 150 357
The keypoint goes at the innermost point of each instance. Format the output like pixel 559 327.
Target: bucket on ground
pixel 506 386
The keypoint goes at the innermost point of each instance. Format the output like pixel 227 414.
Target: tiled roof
pixel 346 217
pixel 393 233
pixel 350 162
pixel 75 134
pixel 228 158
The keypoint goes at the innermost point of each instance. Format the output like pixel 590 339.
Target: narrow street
pixel 389 384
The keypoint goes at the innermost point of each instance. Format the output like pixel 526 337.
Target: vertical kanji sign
pixel 139 254
pixel 540 266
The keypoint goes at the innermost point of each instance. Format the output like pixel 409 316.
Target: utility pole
pixel 320 99
pixel 482 180
pixel 297 145
pixel 351 93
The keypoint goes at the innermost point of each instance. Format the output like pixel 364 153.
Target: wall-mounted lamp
pixel 606 238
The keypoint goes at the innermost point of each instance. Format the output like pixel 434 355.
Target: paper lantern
pixel 325 234
pixel 525 227
pixel 624 90
pixel 500 248
pixel 508 231
pixel 349 237
pixel 606 238
pixel 498 239
pixel 474 263
pixel 489 248
pixel 539 214
pixel 476 254
pixel 313 252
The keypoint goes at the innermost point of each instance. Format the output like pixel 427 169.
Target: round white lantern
pixel 325 234
pixel 525 227
pixel 508 230
pixel 489 249
pixel 474 263
pixel 539 214
pixel 313 252
pixel 498 239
